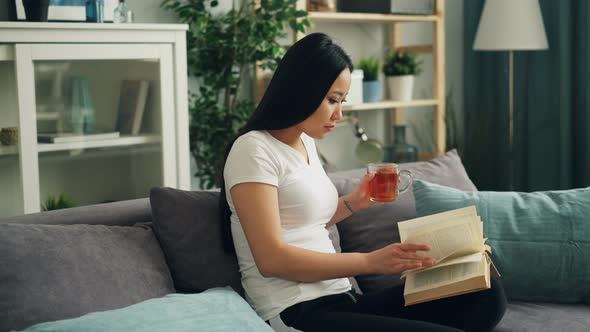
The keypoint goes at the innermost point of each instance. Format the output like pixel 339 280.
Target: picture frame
pixel 68 10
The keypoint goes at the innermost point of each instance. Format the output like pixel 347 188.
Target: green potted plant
pixel 371 84
pixel 400 68
pixel 63 201
pixel 222 49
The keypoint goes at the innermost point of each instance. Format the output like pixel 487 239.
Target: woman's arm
pixel 257 208
pixel 356 200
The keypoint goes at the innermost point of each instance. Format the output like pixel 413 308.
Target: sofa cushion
pixel 376 226
pixel 521 316
pixel 540 240
pixel 121 213
pixel 217 309
pixel 50 272
pixel 187 225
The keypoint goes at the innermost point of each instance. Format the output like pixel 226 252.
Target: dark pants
pixel 384 311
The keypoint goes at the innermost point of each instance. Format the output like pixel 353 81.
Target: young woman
pixel 277 201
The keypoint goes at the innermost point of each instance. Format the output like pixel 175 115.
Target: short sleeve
pixel 250 160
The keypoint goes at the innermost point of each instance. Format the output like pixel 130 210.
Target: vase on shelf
pixel 400 151
pixel 79 116
pixel 122 13
pixel 36 10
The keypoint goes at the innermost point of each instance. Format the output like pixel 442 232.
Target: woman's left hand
pixel 359 197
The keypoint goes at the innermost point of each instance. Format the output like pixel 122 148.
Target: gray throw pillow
pixel 52 272
pixel 376 227
pixel 188 227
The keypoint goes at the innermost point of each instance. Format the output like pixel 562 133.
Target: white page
pixel 450 238
pixel 441 276
pixel 476 257
pixel 413 225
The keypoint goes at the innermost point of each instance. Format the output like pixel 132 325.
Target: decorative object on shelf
pixel 8 10
pixel 371 84
pixel 411 7
pixel 79 115
pixel 507 25
pixel 95 11
pixel 368 150
pixel 51 94
pixel 400 151
pixel 321 5
pixel 355 93
pixel 122 13
pixel 36 10
pixel 63 201
pixel 365 6
pixel 9 136
pixel 132 103
pixel 217 113
pixel 67 10
pixel 400 69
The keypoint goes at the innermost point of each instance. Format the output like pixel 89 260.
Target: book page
pixel 444 275
pixel 448 239
pixel 476 257
pixel 424 223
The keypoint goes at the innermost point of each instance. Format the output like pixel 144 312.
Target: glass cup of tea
pixel 384 187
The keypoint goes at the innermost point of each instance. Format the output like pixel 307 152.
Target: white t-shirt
pixel 307 202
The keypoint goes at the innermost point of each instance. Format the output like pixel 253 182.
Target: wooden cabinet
pixel 37 62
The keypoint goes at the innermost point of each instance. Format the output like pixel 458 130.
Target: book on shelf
pixel 132 102
pixel 463 259
pixel 74 137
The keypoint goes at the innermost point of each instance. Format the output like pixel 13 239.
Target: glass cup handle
pixel 410 180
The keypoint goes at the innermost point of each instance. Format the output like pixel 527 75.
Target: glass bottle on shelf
pixel 400 151
pixel 122 13
pixel 79 117
pixel 95 11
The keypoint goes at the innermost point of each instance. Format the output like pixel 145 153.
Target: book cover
pixel 72 138
pixel 132 102
pixel 457 242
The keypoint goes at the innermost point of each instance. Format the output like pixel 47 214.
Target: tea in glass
pixel 384 187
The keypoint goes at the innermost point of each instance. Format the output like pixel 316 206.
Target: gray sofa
pixel 65 263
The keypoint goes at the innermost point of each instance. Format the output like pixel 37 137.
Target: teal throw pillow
pixel 540 240
pixel 217 309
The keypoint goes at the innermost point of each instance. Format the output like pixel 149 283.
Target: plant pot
pixel 36 10
pixel 371 91
pixel 400 88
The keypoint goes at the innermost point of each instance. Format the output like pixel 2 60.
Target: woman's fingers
pixel 412 255
pixel 408 266
pixel 413 247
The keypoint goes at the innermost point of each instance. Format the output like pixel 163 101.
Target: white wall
pixel 364 40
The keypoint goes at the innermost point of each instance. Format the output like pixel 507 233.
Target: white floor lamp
pixel 511 25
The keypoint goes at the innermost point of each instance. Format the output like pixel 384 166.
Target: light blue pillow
pixel 540 240
pixel 217 309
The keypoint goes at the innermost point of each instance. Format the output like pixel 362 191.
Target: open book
pixel 457 242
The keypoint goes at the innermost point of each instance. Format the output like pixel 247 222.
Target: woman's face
pixel 323 120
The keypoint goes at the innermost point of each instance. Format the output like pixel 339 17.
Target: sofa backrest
pixel 123 213
pixel 65 263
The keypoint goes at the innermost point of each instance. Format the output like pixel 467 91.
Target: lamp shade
pixel 511 25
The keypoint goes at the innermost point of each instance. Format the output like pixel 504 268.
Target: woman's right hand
pixel 398 257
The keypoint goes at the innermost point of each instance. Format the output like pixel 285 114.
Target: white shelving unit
pixel 93 171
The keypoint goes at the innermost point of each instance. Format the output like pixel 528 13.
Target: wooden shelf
pixel 114 142
pixel 369 18
pixel 389 104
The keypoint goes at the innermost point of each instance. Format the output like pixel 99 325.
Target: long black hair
pixel 300 83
